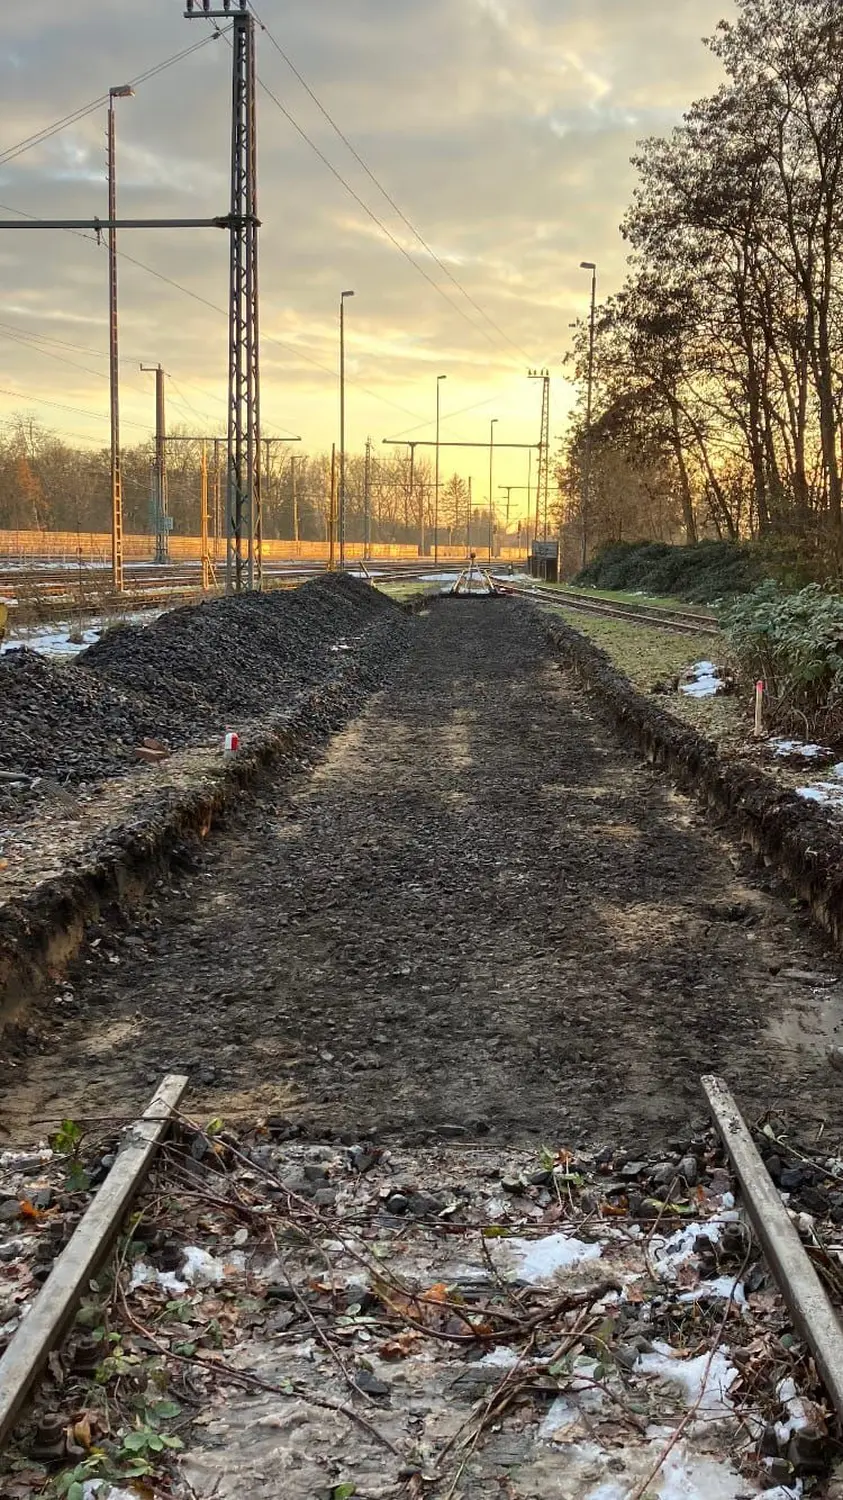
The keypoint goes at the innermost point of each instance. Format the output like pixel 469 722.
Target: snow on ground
pixel 704 681
pixel 54 640
pixel 802 750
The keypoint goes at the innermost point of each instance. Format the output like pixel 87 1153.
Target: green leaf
pixel 343 1491
pixel 164 1409
pixel 77 1180
pixel 76 1491
pixel 67 1138
pixel 172 1442
pixel 136 1442
pixel 135 1468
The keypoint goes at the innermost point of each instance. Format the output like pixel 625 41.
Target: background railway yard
pixel 433 1202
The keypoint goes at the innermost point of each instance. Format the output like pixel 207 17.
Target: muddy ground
pixel 481 915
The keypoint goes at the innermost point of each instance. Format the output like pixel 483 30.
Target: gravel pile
pixel 177 680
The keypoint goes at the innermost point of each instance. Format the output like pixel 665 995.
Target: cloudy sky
pixel 501 128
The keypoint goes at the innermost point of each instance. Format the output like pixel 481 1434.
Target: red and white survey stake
pixel 231 743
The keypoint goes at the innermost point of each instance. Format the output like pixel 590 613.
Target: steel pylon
pixel 243 500
pixel 543 479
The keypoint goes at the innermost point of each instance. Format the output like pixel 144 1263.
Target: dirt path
pixel 480 914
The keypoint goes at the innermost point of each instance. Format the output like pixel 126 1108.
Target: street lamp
pixel 343 296
pixel 492 426
pixel 124 91
pixel 588 265
pixel 439 380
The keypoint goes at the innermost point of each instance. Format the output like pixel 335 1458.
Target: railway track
pixel 504 1327
pixel 682 621
pixel 42 594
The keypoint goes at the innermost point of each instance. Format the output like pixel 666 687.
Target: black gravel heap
pixel 185 676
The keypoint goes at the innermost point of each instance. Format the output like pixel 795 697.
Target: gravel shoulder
pixel 482 915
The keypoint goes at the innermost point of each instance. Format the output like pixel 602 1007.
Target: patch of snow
pixel 797 1419
pixel 705 682
pixel 689 1476
pixel 502 1358
pixel 144 1274
pixel 670 1254
pixel 723 1288
pixel 798 747
pixel 54 640
pixel 100 1489
pixel 704 1381
pixel 824 792
pixel 539 1260
pixel 199 1268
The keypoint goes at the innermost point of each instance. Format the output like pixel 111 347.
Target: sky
pixel 502 129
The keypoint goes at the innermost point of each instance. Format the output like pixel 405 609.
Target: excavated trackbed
pixel 482 913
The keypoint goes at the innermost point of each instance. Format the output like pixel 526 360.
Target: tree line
pixel 48 484
pixel 719 365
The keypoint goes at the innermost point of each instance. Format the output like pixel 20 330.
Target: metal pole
pixel 588 265
pixel 113 353
pixel 162 546
pixel 203 520
pixel 294 497
pixel 468 527
pixel 343 296
pixel 412 485
pixel 492 426
pixel 332 514
pixel 217 497
pixel 439 380
pixel 367 502
pixel 243 508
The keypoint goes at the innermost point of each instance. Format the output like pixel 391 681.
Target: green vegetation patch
pixel 701 574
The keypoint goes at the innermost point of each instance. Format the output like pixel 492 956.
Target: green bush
pixel 701 574
pixel 795 643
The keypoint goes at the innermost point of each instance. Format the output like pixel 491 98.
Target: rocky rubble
pixel 176 681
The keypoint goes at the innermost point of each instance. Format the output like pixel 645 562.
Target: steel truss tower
pixel 243 503
pixel 543 480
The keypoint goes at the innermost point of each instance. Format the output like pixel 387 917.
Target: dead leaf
pixel 401 1345
pixel 29 1211
pixel 82 1432
pixel 687 1277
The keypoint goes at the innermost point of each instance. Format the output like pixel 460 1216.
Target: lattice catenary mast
pixel 243 503
pixel 543 483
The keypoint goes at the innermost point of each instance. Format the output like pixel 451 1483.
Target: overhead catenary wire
pixel 385 192
pixel 45 134
pixel 370 213
pixel 291 349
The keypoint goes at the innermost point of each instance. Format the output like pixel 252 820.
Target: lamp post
pixel 343 296
pixel 492 426
pixel 123 92
pixel 439 380
pixel 588 265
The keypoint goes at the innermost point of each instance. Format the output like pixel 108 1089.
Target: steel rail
pixel 809 1304
pixel 51 1311
pixel 662 619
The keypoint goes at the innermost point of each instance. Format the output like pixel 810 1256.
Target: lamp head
pixel 588 265
pixel 124 91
